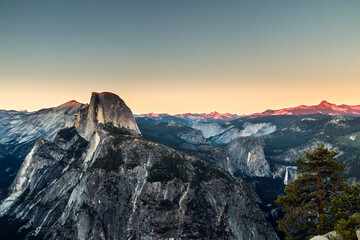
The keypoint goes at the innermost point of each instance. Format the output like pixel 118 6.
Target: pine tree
pixel 347 203
pixel 347 228
pixel 345 208
pixel 307 199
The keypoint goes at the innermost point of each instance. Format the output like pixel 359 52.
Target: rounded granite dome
pixel 105 108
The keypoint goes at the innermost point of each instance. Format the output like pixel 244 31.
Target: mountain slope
pixel 171 133
pixel 337 132
pixel 113 184
pixel 20 130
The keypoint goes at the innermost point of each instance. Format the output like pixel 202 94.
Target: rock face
pixel 19 131
pixel 191 136
pixel 209 129
pixel 328 236
pixel 247 156
pixel 247 129
pixel 242 157
pixel 105 108
pixel 114 184
pixel 17 127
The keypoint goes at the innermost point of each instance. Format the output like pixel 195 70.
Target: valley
pixel 75 169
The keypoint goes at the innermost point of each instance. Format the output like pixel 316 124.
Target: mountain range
pixel 323 108
pixel 77 170
pixel 99 178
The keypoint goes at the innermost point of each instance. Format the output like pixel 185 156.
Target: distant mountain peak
pixel 327 104
pixel 324 107
pixel 70 103
pixel 324 102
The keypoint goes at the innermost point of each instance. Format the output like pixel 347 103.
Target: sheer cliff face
pixel 105 108
pixel 247 155
pixel 110 183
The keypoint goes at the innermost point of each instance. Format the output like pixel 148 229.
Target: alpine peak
pixel 70 103
pixel 105 108
pixel 323 108
pixel 326 103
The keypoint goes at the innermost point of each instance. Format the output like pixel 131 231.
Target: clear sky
pixel 180 56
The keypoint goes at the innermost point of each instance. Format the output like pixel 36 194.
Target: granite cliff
pixel 102 180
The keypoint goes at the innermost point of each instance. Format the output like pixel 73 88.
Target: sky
pixel 180 56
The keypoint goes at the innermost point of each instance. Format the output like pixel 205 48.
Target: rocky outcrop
pixel 191 136
pixel 17 127
pixel 242 157
pixel 247 129
pixel 328 236
pixel 247 156
pixel 210 129
pixel 114 184
pixel 105 108
pixel 20 130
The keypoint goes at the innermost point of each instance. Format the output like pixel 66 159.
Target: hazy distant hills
pixel 190 118
pixel 323 108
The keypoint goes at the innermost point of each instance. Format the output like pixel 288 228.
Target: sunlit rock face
pixel 323 108
pixel 105 108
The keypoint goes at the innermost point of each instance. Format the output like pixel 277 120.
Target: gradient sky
pixel 180 56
